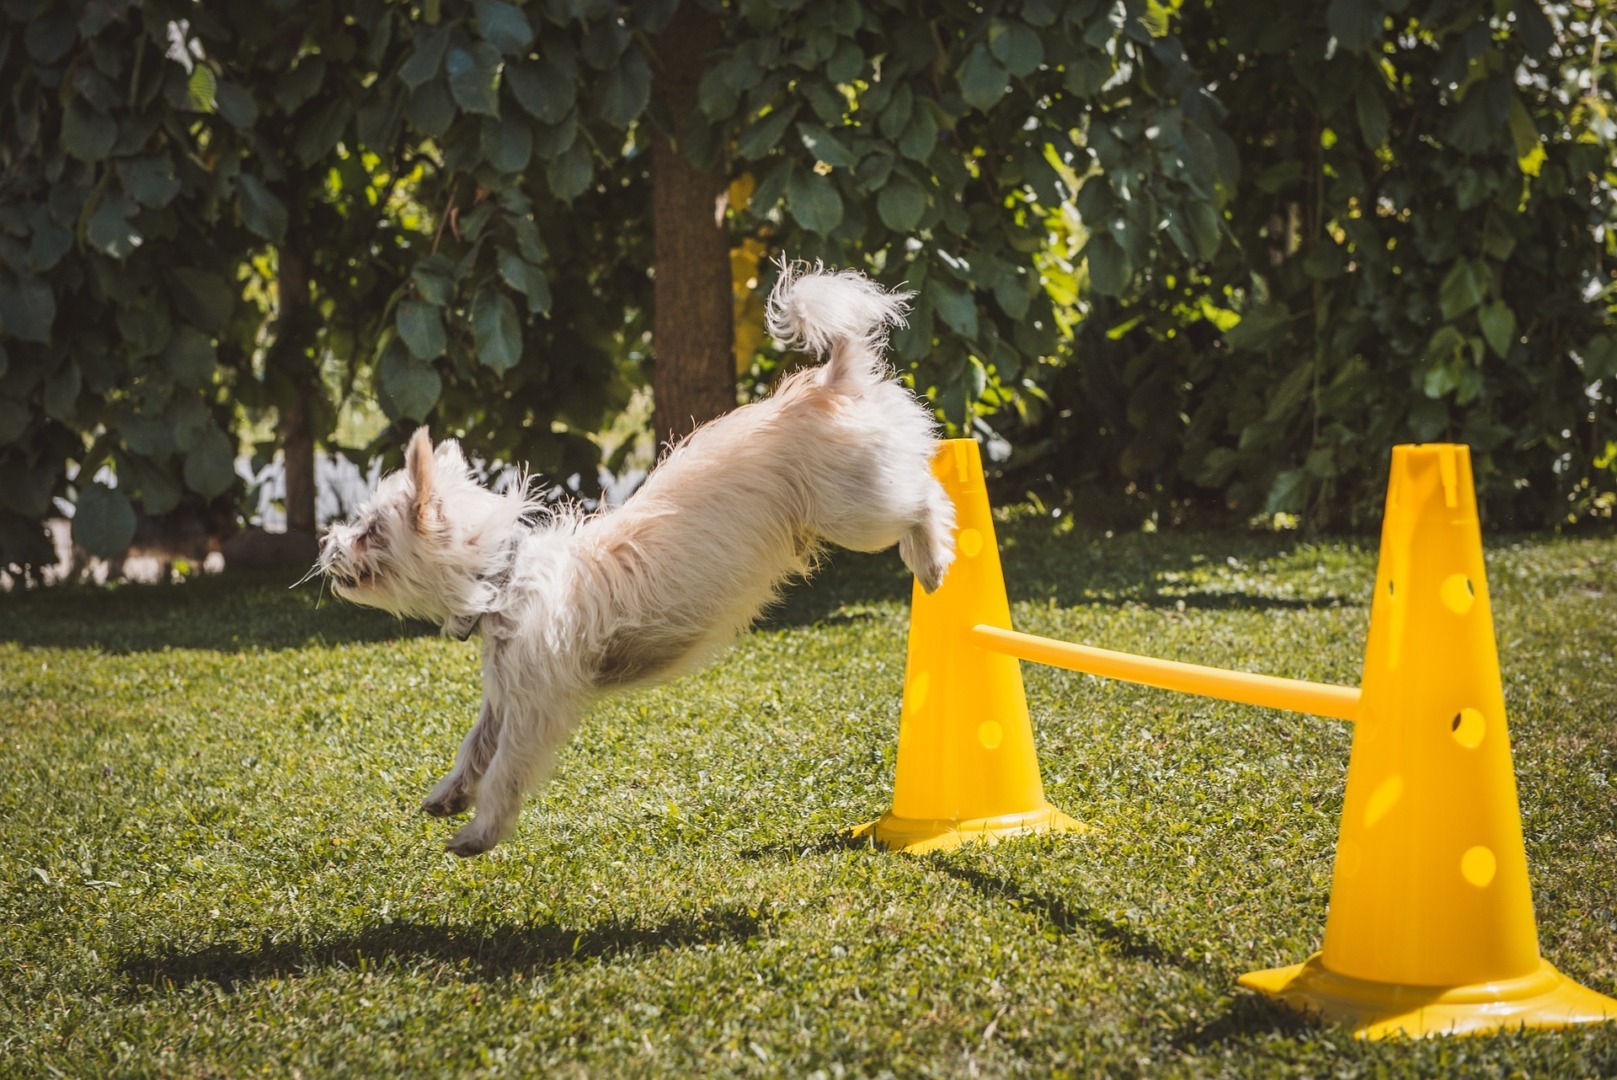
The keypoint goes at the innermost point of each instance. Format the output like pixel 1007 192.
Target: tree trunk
pixel 693 370
pixel 296 427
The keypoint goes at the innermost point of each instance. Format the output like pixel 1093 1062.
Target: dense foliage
pixel 1201 254
pixel 1423 228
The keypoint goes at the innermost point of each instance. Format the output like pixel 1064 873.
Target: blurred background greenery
pixel 1201 260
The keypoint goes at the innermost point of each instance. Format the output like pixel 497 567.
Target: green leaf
pixel 1600 358
pixel 1017 46
pixel 506 145
pixel 826 147
pixel 569 175
pixel 210 466
pixel 496 329
pixel 237 106
pixel 545 87
pixel 1354 23
pixel 814 201
pixel 409 387
pixel 1291 392
pixel 1372 113
pixel 428 55
pixel 529 243
pixel 1157 18
pixel 1462 289
pixel 300 83
pixel 431 110
pixel 1260 329
pixel 1288 493
pixel 1498 325
pixel 527 279
pixel 103 521
pixel 1012 296
pixel 434 277
pixel 625 91
pixel 421 327
pixel 955 305
pixel 150 181
pixel 27 310
pixel 87 134
pixel 318 135
pixel 1110 270
pixel 261 209
pixel 503 26
pixel 1526 138
pixel 201 89
pixel 764 134
pixel 895 118
pixel 1204 228
pixel 921 136
pixel 158 491
pixel 50 32
pixel 190 357
pixel 901 204
pixel 983 80
pixel 551 141
pixel 203 299
pixel 109 229
pixel 604 43
pixel 474 77
pixel 49 244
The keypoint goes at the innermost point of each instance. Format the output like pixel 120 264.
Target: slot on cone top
pixel 967 769
pixel 1431 927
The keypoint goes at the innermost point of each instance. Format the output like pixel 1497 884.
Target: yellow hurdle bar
pixel 1318 699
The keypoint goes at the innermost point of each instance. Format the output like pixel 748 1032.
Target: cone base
pixel 1542 999
pixel 919 835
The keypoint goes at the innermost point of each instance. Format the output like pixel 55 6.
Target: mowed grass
pixel 211 861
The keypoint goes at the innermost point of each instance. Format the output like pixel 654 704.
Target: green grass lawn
pixel 211 861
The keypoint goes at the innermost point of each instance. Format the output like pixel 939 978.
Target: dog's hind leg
pixel 928 548
pixel 524 755
pixel 453 794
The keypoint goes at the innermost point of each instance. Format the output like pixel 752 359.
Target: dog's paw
pixel 468 842
pixel 448 804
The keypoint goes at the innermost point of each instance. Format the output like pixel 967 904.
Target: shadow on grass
pixel 1069 569
pixel 841 840
pixel 488 951
pixel 1076 919
pixel 242 611
pixel 1242 1016
pixel 232 612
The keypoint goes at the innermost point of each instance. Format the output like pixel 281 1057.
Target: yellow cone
pixel 1431 927
pixel 966 764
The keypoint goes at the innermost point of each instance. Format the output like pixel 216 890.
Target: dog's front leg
pixel 527 746
pixel 454 793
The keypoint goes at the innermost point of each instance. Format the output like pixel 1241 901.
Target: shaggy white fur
pixel 571 606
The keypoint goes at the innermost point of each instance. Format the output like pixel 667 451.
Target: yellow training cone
pixel 966 764
pixel 1431 928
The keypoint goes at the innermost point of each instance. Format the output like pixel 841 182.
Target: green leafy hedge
pixel 1214 254
pixel 1423 227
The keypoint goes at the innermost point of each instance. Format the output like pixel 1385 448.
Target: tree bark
pixel 296 426
pixel 693 370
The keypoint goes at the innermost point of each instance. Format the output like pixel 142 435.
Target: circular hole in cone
pixel 1468 727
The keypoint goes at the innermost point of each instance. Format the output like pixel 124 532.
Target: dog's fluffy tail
pixel 842 315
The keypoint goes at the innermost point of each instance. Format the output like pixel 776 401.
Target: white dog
pixel 570 606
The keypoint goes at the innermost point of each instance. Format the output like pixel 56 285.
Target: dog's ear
pixel 419 463
pixel 449 453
